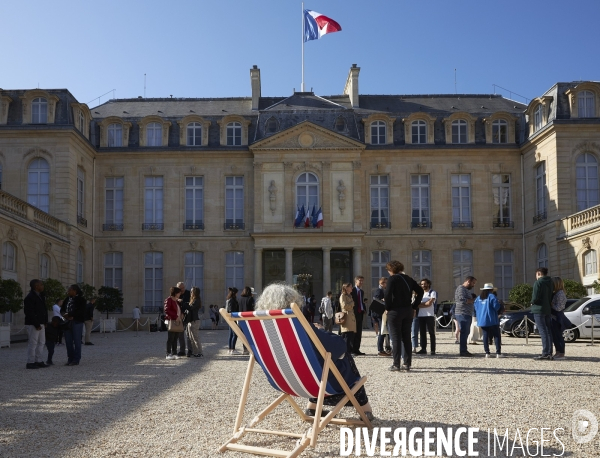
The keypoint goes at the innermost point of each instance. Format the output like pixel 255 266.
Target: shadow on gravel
pixel 549 371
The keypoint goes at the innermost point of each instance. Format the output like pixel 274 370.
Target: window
pixel 234 269
pixel 39 111
pixel 500 131
pixel 115 135
pixel 194 203
pixel 234 203
pixel 9 257
pixel 80 193
pixel 542 256
pixel 153 134
pixel 540 192
pixel 113 270
pixel 590 265
pixel 380 204
pixel 421 264
pixel 378 261
pixel 44 266
pixel 114 204
pixel 378 133
pixel 38 184
pixel 459 131
pixel 153 281
pixel 419 193
pixel 587 181
pixel 271 125
pixel 538 118
pixel 307 191
pixel 81 122
pixel 79 265
pixel 419 132
pixel 153 205
pixel 234 134
pixel 194 270
pixel 586 104
pixel 501 193
pixel 462 265
pixel 503 272
pixel 194 134
pixel 340 124
pixel 461 200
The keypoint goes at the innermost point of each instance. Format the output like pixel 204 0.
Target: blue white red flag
pixel 316 25
pixel 319 218
pixel 307 217
pixel 299 216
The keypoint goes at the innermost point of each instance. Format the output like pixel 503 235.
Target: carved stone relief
pixel 341 189
pixel 153 246
pixel 12 233
pixel 273 197
pixel 587 243
pixel 193 245
pixel 47 247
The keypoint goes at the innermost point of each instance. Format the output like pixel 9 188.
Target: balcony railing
pixel 151 309
pixel 81 221
pixel 539 217
pixel 234 226
pixel 22 209
pixel 153 227
pixel 195 226
pixel 462 224
pixel 503 223
pixel 421 225
pixel 113 227
pixel 380 225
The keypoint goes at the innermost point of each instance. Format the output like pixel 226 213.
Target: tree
pixel 11 296
pixel 109 299
pixel 89 292
pixel 53 290
pixel 521 294
pixel 574 289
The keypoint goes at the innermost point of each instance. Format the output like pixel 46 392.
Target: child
pixel 52 329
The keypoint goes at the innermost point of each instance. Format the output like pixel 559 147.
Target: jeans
pixel 232 339
pixel 181 338
pixel 50 345
pixel 400 322
pixel 544 325
pixel 172 342
pixel 414 332
pixel 349 338
pixel 36 338
pixel 427 324
pixel 558 328
pixel 464 322
pixel 327 323
pixel 73 342
pixel 491 331
pixel 358 334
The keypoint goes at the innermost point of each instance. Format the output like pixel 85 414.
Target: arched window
pixel 234 134
pixel 500 131
pixel 586 106
pixel 39 111
pixel 44 266
pixel 542 256
pixel 538 118
pixel 194 134
pixel 79 265
pixel 115 135
pixel 587 181
pixel 271 125
pixel 340 124
pixel 459 131
pixel 38 184
pixel 9 257
pixel 154 134
pixel 590 263
pixel 307 191
pixel 378 133
pixel 419 132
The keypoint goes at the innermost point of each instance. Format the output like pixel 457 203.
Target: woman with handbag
pixel 175 326
pixel 74 312
pixel 231 306
pixel 346 318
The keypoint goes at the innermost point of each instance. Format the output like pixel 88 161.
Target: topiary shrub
pixel 521 294
pixel 574 289
pixel 53 291
pixel 109 299
pixel 89 292
pixel 11 296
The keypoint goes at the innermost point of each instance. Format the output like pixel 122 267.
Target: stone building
pixel 140 193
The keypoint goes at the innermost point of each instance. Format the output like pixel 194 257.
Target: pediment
pixel 307 136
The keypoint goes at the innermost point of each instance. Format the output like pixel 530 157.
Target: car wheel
pixel 518 329
pixel 571 335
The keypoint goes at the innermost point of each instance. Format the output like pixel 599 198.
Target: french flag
pixel 307 217
pixel 316 25
pixel 319 218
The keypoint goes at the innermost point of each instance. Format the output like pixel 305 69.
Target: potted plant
pixel 108 300
pixel 53 291
pixel 11 300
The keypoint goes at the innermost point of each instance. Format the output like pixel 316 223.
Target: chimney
pixel 255 83
pixel 351 87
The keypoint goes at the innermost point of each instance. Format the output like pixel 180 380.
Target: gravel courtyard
pixel 125 399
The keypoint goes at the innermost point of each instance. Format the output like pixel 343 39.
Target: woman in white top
pixel 426 317
pixel 56 312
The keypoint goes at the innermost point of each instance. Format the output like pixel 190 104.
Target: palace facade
pixel 142 193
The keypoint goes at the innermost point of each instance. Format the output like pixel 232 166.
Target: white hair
pixel 278 296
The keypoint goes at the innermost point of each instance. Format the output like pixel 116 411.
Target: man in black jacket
pixel 401 306
pixel 36 317
pixel 358 296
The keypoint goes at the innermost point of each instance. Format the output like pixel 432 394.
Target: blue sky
pixel 205 49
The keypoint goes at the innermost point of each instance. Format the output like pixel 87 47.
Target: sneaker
pixel 394 368
pixel 383 353
pixel 170 357
pixel 176 357
pixel 466 354
pixel 559 356
pixel 414 350
pixel 421 352
pixel 32 366
pixel 499 355
pixel 487 355
pixel 234 352
pixel 543 357
pixel 198 355
pixel 405 368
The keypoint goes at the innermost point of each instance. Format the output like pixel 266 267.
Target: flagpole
pixel 302 16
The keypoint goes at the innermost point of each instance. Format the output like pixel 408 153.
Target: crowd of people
pixel 182 310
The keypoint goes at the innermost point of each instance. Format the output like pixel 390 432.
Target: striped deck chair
pixel 285 346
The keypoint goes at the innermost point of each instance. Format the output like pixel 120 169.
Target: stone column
pixel 357 262
pixel 288 266
pixel 258 270
pixel 326 270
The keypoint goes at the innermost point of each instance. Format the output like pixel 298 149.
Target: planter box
pixel 5 335
pixel 108 325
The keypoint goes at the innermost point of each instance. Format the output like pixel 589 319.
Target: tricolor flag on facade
pixel 316 25
pixel 307 218
pixel 319 222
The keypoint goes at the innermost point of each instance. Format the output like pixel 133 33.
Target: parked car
pixel 511 322
pixel 585 310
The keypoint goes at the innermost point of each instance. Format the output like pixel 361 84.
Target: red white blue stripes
pixel 316 25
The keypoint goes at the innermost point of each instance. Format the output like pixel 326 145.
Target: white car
pixel 585 310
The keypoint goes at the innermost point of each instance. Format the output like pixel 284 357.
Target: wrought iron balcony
pixel 539 217
pixel 151 309
pixel 503 223
pixel 153 227
pixel 239 226
pixel 421 225
pixel 195 226
pixel 462 224
pixel 113 227
pixel 380 225
pixel 81 221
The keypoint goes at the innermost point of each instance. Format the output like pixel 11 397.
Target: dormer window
pixel 459 131
pixel 115 135
pixel 81 122
pixel 153 134
pixel 340 124
pixel 39 111
pixel 538 117
pixel 271 126
pixel 234 134
pixel 419 132
pixel 500 131
pixel 194 134
pixel 586 104
pixel 378 133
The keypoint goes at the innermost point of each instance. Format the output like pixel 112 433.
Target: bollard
pixel 592 344
pixel 137 322
pixel 526 330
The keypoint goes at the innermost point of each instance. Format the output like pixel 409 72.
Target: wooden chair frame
pixel 319 423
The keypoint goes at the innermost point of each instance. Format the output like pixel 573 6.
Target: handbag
pixel 175 325
pixel 340 318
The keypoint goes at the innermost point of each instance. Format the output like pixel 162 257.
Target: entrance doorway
pixel 307 272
